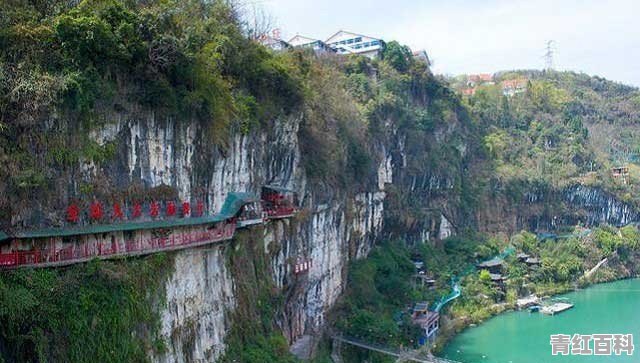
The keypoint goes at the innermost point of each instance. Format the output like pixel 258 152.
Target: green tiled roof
pixel 496 261
pixel 234 202
pixel 231 207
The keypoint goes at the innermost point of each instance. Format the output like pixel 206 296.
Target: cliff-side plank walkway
pixel 52 247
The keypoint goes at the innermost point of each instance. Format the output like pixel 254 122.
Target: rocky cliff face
pixel 200 295
pixel 420 188
pixel 599 206
pixel 544 209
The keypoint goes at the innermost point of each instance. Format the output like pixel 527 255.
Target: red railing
pixel 20 258
pixel 9 259
pixel 82 251
pixel 279 211
pixel 277 207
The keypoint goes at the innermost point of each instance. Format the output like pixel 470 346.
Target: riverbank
pixel 482 301
pixel 505 337
pixel 452 326
pixel 384 287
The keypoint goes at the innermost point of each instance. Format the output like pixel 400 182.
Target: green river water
pixel 523 337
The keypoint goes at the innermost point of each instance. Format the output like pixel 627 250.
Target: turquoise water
pixel 523 337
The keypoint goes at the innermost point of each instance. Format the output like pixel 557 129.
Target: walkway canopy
pixel 234 202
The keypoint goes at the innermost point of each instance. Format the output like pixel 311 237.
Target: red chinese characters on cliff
pixel 117 212
pixel 95 211
pixel 171 209
pixel 154 209
pixel 136 211
pixel 73 213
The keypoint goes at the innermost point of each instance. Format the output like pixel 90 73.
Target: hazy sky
pixel 600 37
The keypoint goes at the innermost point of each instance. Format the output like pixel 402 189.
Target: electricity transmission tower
pixel 548 55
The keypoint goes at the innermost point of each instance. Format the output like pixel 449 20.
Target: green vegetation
pixel 565 128
pixel 103 311
pixel 67 68
pixel 349 101
pixel 530 137
pixel 254 337
pixel 382 290
pixel 564 264
pixel 188 57
pixel 375 306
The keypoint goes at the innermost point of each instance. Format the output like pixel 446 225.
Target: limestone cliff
pixel 330 230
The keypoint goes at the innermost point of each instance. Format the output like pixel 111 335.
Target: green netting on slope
pixel 230 208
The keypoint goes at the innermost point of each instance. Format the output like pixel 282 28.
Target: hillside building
pixel 318 46
pixel 511 87
pixel 474 80
pixel 429 322
pixel 344 42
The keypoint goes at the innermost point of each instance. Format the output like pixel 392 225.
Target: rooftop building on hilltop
pixel 468 91
pixel 344 42
pixel 318 46
pixel 474 80
pixel 511 87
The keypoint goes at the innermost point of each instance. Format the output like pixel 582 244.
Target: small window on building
pixel 350 41
pixel 358 39
pixel 375 42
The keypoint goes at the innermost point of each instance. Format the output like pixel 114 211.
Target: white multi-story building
pixel 300 41
pixel 344 42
